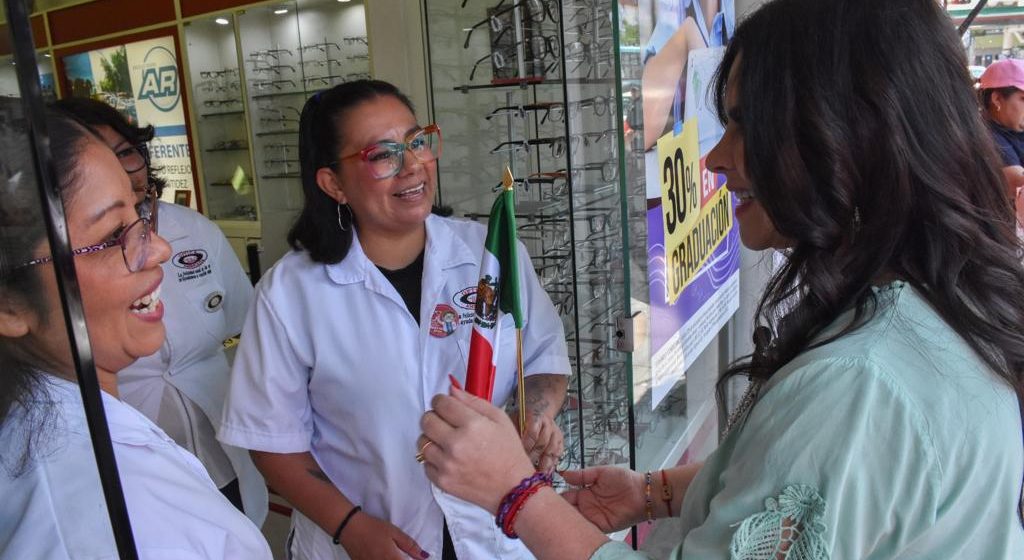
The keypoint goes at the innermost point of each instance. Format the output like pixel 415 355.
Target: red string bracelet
pixel 508 527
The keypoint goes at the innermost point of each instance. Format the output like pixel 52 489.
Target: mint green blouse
pixel 895 441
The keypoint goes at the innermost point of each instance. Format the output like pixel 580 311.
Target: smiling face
pixel 122 309
pixel 757 231
pixel 395 205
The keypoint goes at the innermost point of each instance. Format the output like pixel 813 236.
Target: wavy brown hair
pixel 866 148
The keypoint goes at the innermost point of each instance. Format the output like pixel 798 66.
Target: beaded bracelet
pixel 509 501
pixel 648 503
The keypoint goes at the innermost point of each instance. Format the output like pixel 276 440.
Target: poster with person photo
pixel 693 245
pixel 142 81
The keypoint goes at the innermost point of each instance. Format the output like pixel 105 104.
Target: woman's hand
pixel 609 497
pixel 369 538
pixel 471 449
pixel 543 442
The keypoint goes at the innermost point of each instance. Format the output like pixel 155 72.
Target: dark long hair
pixel 866 148
pixel 93 113
pixel 22 230
pixel 316 229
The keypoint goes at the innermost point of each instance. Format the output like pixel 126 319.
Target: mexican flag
pixel 497 292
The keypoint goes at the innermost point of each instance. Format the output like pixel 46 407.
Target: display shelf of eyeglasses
pixel 282 176
pixel 222 113
pixel 515 82
pixel 276 132
pixel 239 149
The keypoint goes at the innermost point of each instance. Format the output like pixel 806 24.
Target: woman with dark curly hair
pixel 884 415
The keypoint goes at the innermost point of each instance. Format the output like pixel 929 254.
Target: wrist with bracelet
pixel 336 537
pixel 648 502
pixel 515 499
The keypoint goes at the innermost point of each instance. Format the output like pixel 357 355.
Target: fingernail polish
pixel 455 382
pixel 424 554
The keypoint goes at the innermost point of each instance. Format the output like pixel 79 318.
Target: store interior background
pixel 419 46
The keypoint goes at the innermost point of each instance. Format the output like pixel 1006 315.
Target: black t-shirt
pixel 408 282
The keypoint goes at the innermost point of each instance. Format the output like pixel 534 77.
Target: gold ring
pixel 420 457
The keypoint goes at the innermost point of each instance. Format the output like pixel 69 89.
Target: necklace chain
pixel 746 403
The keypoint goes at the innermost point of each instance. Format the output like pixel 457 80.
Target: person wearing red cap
pixel 1002 96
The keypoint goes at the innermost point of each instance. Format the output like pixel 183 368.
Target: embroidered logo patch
pixel 466 298
pixel 213 302
pixel 443 321
pixel 189 259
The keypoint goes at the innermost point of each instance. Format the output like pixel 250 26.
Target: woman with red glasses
pixel 53 505
pixel 354 331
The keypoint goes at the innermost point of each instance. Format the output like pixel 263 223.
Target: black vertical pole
pixel 970 17
pixel 67 281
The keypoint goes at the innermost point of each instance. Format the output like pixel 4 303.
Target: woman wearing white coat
pixel 206 294
pixel 354 331
pixel 53 506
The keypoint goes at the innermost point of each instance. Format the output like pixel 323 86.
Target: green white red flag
pixel 497 292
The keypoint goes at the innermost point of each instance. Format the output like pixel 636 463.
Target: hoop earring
pixel 351 217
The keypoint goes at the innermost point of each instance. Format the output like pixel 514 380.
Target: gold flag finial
pixel 507 180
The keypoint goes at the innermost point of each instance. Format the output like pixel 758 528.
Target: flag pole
pixel 509 183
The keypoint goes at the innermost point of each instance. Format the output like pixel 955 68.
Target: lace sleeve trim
pixel 790 528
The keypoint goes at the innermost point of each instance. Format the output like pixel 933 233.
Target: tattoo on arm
pixel 542 392
pixel 319 475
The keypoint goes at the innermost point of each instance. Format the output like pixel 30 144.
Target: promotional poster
pixel 141 80
pixel 693 244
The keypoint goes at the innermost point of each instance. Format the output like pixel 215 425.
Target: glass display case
pixel 222 133
pixel 291 51
pixel 252 70
pixel 554 89
pixel 532 84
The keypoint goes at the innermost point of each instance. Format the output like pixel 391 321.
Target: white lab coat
pixel 55 509
pixel 331 362
pixel 206 295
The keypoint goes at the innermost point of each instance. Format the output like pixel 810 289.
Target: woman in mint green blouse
pixel 884 416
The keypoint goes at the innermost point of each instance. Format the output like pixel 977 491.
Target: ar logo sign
pixel 160 79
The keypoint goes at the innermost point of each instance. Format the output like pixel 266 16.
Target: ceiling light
pixel 222 21
pixel 280 11
pixel 344 0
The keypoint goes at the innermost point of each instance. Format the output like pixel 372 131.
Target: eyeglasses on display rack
pixel 226 72
pixel 499 61
pixel 133 240
pixel 272 84
pixel 354 40
pixel 538 11
pixel 323 47
pixel 386 159
pixel 557 143
pixel 325 62
pixel 221 102
pixel 275 69
pixel 272 53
